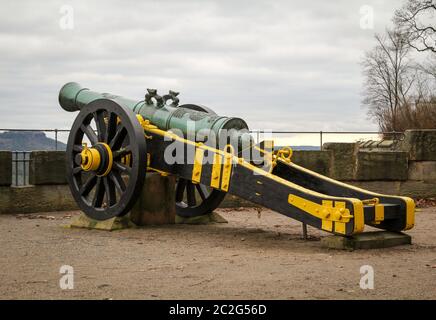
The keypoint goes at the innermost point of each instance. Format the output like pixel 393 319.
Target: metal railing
pixel 21 159
pixel 323 134
pixel 20 168
pixel 258 133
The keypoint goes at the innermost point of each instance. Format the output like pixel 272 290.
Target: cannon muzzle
pixel 67 96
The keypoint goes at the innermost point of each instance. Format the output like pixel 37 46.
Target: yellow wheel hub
pixel 91 159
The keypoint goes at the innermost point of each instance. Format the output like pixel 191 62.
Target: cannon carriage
pixel 114 141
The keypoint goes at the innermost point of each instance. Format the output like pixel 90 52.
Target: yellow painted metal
pixel 267 154
pixel 379 213
pixel 371 202
pixel 285 153
pixel 162 173
pixel 227 170
pixel 268 144
pixel 198 165
pixel 325 211
pixel 327 224
pixel 359 217
pixel 340 227
pixel 90 158
pixel 410 213
pixel 127 159
pixel 358 205
pixel 111 159
pixel 216 171
pixel 150 168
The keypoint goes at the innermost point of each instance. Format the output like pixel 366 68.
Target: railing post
pixel 56 139
pixel 16 167
pixel 24 168
pixel 320 140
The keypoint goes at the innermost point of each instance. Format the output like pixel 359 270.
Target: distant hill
pixel 28 141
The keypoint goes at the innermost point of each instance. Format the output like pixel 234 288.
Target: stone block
pixel 422 170
pixel 156 203
pixel 47 167
pixel 366 240
pixel 39 198
pixel 418 189
pixel 116 223
pixel 344 160
pixel 386 144
pixel 382 165
pixel 409 188
pixel 420 144
pixel 318 161
pixel 5 168
pixel 204 219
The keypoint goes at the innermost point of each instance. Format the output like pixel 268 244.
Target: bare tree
pixel 417 21
pixel 389 77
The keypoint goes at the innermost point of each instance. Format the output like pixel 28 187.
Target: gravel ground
pixel 254 256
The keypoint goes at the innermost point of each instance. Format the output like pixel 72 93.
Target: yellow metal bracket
pixel 216 171
pixel 325 211
pixel 227 170
pixel 146 125
pixel 198 165
pixel 379 209
pixel 284 154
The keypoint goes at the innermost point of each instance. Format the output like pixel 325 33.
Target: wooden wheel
pixel 102 184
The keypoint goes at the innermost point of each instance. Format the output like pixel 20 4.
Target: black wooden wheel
pixel 194 200
pixel 102 183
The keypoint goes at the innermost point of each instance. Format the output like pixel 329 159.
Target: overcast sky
pixel 284 65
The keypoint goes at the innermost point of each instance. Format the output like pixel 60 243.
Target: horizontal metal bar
pixel 326 132
pixel 37 130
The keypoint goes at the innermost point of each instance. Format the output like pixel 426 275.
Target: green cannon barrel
pixel 72 97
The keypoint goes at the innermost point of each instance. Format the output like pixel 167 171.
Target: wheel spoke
pixel 122 167
pixel 111 197
pixel 88 185
pixel 180 190
pixel 77 170
pixel 190 190
pixel 99 194
pixel 122 152
pixel 118 181
pixel 202 191
pixel 118 138
pixel 111 127
pixel 89 133
pixel 101 125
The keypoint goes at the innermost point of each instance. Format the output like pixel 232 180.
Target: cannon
pixel 115 141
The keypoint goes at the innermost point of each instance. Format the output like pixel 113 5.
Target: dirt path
pixel 250 257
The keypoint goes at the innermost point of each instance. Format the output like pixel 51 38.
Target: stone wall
pixel 408 169
pixel 47 167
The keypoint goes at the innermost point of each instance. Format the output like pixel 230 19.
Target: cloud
pixel 284 65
